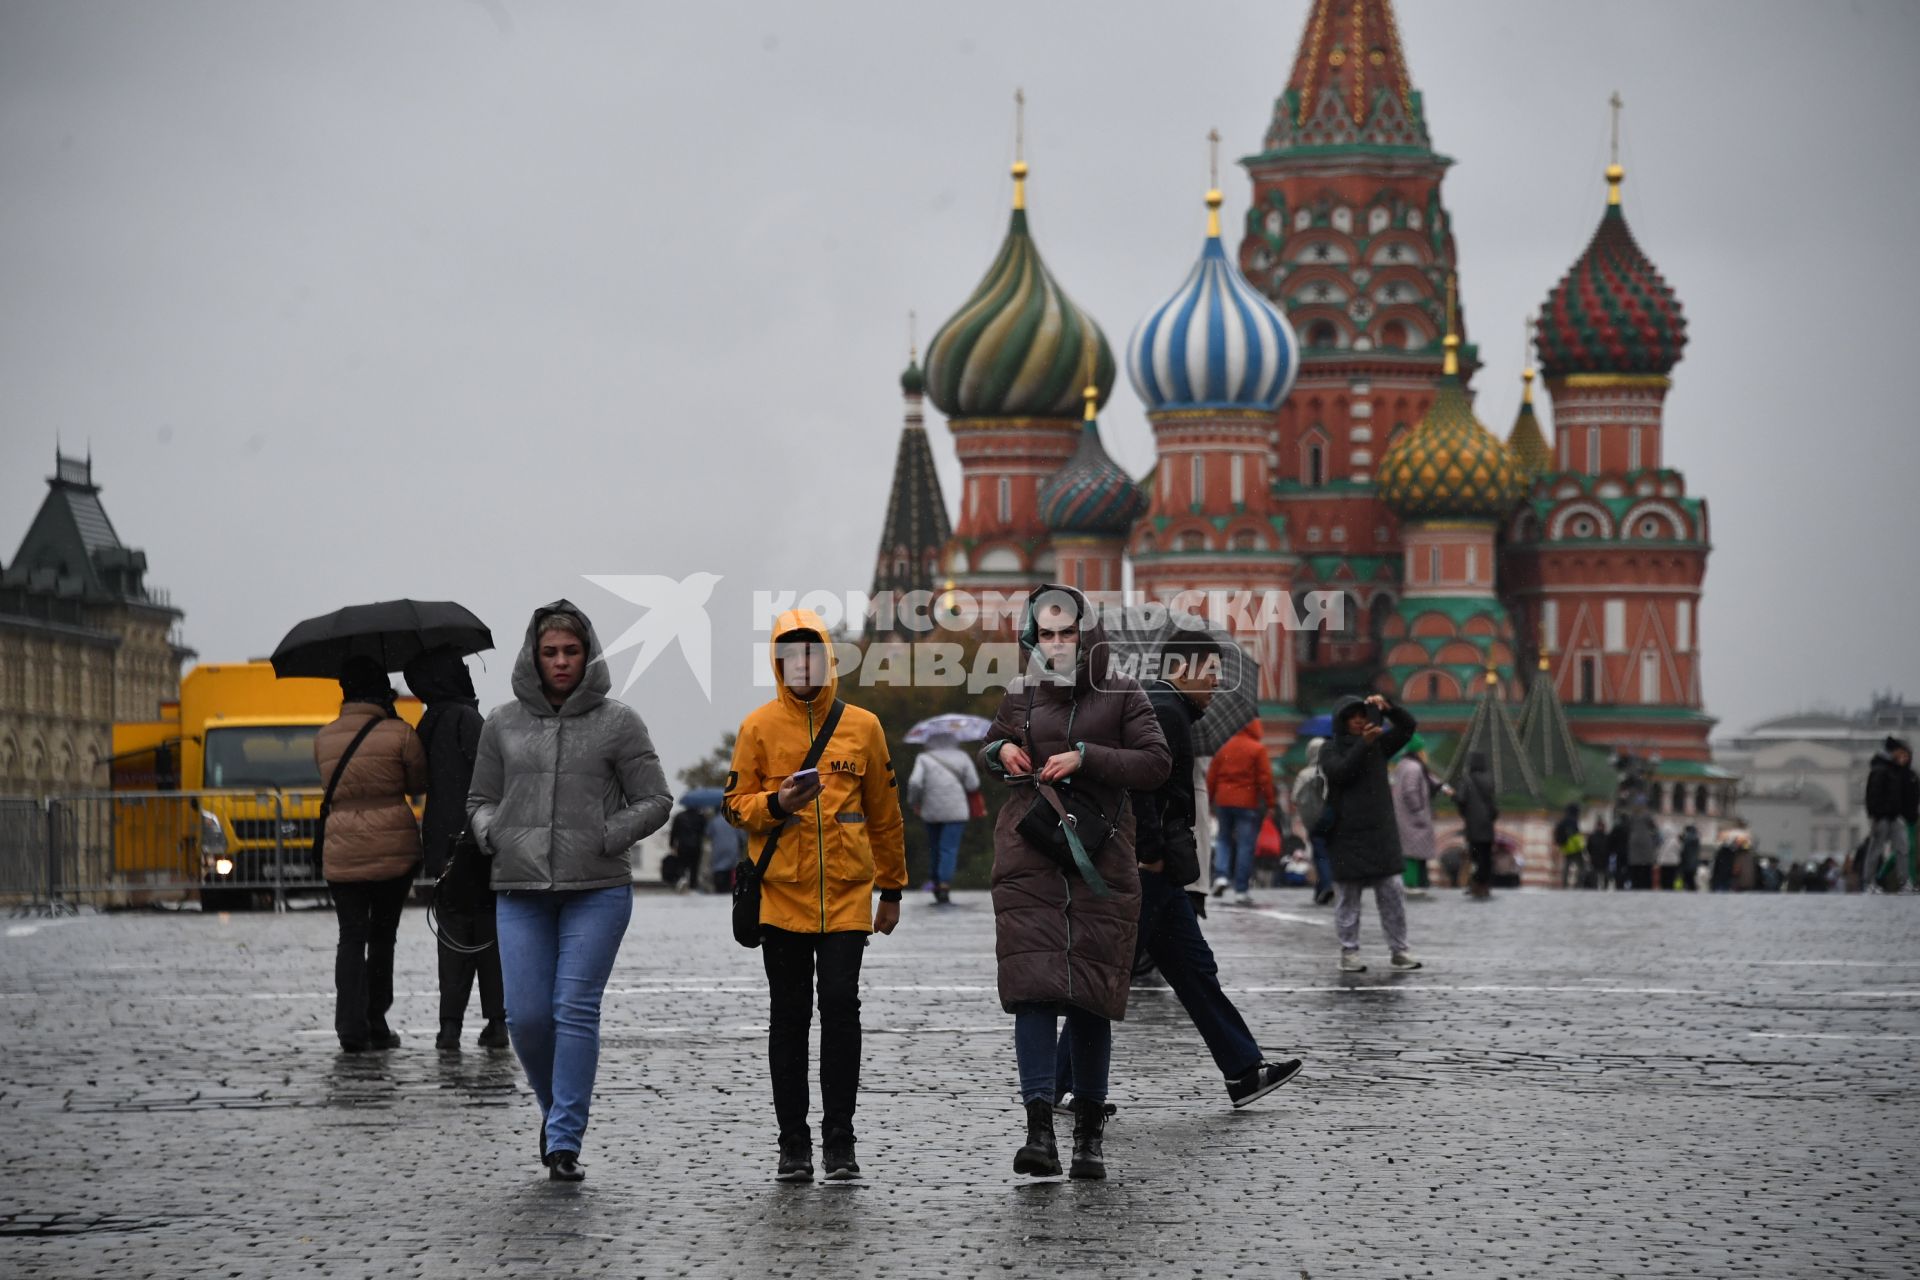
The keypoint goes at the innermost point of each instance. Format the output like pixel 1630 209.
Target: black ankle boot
pixel 448 1041
pixel 494 1034
pixel 1089 1127
pixel 1040 1157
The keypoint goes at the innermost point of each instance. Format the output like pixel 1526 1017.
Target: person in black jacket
pixel 1893 798
pixel 1165 846
pixel 450 732
pixel 1479 810
pixel 1364 846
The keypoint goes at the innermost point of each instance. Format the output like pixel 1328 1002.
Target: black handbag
pixel 1065 825
pixel 747 876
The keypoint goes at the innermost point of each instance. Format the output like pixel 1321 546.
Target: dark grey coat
pixel 1365 843
pixel 559 796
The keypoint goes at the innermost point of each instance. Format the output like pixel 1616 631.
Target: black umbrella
pixel 391 632
pixel 1138 641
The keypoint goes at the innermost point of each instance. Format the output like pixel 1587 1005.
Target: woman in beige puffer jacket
pixel 370 848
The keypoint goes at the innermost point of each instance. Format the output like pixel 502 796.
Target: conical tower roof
pixel 916 525
pixel 1545 738
pixel 1527 442
pixel 1350 87
pixel 1018 347
pixel 1091 493
pixel 1491 731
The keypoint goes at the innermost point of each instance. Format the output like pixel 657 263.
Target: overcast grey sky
pixel 468 298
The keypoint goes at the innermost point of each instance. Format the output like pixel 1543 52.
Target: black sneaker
pixel 1261 1081
pixel 564 1166
pixel 839 1161
pixel 796 1160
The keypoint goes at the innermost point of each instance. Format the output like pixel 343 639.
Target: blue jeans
pixel 1233 847
pixel 1170 933
pixel 556 953
pixel 943 850
pixel 1322 865
pixel 1034 1045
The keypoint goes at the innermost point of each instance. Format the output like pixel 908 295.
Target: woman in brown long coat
pixel 1064 920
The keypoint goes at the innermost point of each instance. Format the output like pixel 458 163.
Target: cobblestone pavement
pixel 1577 1085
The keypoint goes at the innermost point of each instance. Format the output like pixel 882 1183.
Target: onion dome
pixel 1526 442
pixel 1090 494
pixel 1217 343
pixel 1450 467
pixel 1612 312
pixel 913 382
pixel 1018 347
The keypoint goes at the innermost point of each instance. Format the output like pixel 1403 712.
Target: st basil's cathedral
pixel 1308 393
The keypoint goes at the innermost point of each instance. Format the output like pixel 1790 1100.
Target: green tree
pixel 712 771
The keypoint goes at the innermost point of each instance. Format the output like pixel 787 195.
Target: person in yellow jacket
pixel 840 838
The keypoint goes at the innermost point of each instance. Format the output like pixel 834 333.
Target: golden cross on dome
pixel 1213 184
pixel 1614 172
pixel 1526 359
pixel 1451 368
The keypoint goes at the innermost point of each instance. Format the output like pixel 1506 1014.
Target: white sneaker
pixel 1350 962
pixel 1220 885
pixel 1243 900
pixel 1403 960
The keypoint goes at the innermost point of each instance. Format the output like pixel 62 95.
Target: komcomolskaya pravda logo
pixel 675 610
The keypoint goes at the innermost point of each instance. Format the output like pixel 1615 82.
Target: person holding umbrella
pixel 940 790
pixel 371 762
pixel 566 781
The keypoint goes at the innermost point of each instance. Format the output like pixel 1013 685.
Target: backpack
pixel 1310 799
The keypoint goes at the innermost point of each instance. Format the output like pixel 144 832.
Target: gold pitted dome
pixel 1450 467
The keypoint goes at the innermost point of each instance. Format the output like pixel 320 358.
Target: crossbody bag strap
pixel 339 770
pixel 814 753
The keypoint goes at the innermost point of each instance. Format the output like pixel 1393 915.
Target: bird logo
pixel 674 611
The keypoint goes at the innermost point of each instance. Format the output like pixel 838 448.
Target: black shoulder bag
pixel 326 801
pixel 1068 830
pixel 462 887
pixel 747 876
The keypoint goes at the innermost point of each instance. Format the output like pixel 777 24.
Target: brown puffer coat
pixel 1057 943
pixel 371 832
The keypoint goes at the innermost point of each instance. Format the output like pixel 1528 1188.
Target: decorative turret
pixel 916 526
pixel 1349 84
pixel 1450 467
pixel 1018 347
pixel 1545 738
pixel 1526 442
pixel 1612 312
pixel 1217 343
pixel 1091 494
pixel 1491 733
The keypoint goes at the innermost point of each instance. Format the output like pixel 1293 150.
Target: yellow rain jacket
pixel 835 852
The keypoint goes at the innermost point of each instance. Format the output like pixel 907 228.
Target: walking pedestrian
pixel 1168 852
pixel 1364 844
pixel 449 733
pixel 1414 787
pixel 1720 879
pixel 566 782
pixel 1893 807
pixel 1240 789
pixel 1599 854
pixel 838 836
pixel 940 791
pixel 1066 897
pixel 1643 849
pixel 370 847
pixel 1690 858
pixel 1667 861
pixel 686 843
pixel 1619 849
pixel 1479 811
pixel 1310 802
pixel 725 844
pixel 1571 846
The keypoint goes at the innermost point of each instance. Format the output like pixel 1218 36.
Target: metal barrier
pixel 123 847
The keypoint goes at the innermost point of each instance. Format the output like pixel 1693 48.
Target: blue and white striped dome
pixel 1216 343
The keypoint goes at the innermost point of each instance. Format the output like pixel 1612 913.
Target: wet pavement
pixel 1577 1085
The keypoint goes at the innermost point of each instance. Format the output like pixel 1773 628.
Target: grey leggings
pixel 1387 895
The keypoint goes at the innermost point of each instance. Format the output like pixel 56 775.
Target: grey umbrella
pixel 1137 637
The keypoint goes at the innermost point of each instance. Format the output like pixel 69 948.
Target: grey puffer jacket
pixel 559 795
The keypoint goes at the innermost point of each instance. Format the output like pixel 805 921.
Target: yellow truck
pixel 222 791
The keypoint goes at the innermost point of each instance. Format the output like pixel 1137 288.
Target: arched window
pixel 1321 336
pixel 1393 335
pixel 1433 687
pixel 1316 466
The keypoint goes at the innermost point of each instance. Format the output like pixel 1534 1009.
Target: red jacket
pixel 1241 775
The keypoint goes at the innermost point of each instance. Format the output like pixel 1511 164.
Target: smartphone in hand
pixel 804 778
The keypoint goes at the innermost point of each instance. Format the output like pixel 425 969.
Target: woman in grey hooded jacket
pixel 566 782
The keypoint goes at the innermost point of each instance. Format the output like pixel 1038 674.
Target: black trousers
pixel 471 927
pixel 1640 877
pixel 792 961
pixel 369 913
pixel 1481 852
